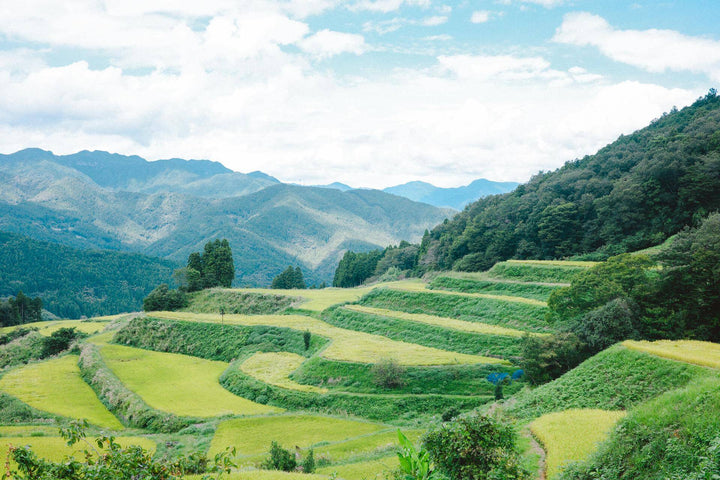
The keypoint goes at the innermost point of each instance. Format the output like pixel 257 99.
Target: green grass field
pixel 55 386
pixel 347 345
pixel 479 283
pixel 28 431
pixel 706 354
pixel 445 322
pixel 315 300
pixel 275 367
pixel 368 470
pixel 264 475
pixel 538 270
pixel 572 435
pixel 252 436
pixel 179 384
pixel 47 328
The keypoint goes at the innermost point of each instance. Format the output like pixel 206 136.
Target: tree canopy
pixel 214 267
pixel 289 278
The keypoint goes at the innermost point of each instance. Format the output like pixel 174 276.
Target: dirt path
pixel 536 448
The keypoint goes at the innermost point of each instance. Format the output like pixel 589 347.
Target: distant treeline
pixel 75 283
pixel 355 268
pixel 19 310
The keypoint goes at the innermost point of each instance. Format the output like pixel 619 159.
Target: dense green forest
pixel 19 310
pixel 631 194
pixel 73 283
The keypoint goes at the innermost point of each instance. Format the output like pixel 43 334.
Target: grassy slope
pixel 55 386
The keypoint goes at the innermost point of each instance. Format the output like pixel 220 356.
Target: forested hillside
pixel 632 194
pixel 74 282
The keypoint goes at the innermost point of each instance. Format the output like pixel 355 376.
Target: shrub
pixel 59 341
pixel 308 464
pixel 475 447
pixel 162 298
pixel 307 336
pixel 615 321
pixel 280 459
pixel 388 373
pixel 547 358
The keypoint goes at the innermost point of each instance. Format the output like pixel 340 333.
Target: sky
pixel 371 93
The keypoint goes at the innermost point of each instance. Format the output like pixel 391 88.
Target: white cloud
pixel 652 50
pixel 433 21
pixel 327 43
pixel 506 67
pixel 386 6
pixel 480 16
pixel 544 3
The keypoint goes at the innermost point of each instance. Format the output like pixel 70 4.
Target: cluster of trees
pixel 356 268
pixel 284 460
pixel 634 193
pixel 20 309
pixel 289 278
pixel 214 267
pixel 674 295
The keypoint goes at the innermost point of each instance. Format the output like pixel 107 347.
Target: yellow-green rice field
pixel 572 435
pixel 367 470
pixel 347 345
pixel 505 298
pixel 275 367
pixel 55 386
pixel 316 299
pixel 179 384
pixel 706 354
pixel 265 475
pixel 252 436
pixel 47 328
pixel 451 323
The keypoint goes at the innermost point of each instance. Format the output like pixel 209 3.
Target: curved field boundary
pixel 275 367
pixel 347 345
pixel 572 435
pixel 445 322
pixel 706 354
pixel 55 386
pixel 504 298
pixel 179 384
pixel 252 436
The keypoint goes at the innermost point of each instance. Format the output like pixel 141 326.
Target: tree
pixel 212 268
pixel 162 298
pixel 288 279
pixel 388 373
pixel 59 341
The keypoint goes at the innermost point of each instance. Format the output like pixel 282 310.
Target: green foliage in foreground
pixel 375 407
pixel 212 341
pixel 122 402
pixel 475 447
pixel 615 379
pixel 105 459
pixel 674 436
pixel 446 379
pixel 467 285
pixel 422 334
pixel 238 302
pixel 487 310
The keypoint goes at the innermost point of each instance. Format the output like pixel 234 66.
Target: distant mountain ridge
pixel 455 198
pixel 151 208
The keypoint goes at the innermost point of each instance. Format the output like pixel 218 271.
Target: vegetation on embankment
pixel 213 341
pixel 463 284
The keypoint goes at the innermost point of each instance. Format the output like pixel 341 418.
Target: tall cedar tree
pixel 289 278
pixel 213 268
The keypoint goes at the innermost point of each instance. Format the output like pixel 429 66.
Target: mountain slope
pixel 455 198
pixel 631 194
pixel 268 229
pixel 75 282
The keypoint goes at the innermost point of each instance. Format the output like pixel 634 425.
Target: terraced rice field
pixel 368 470
pixel 179 384
pixel 451 323
pixel 554 263
pixel 274 368
pixel 504 298
pixel 347 345
pixel 366 446
pixel 316 300
pixel 47 328
pixel 56 448
pixel 706 354
pixel 264 475
pixel 56 387
pixel 252 436
pixel 572 435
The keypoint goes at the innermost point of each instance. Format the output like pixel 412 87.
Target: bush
pixel 162 298
pixel 59 341
pixel 308 464
pixel 280 459
pixel 614 322
pixel 388 373
pixel 547 358
pixel 475 447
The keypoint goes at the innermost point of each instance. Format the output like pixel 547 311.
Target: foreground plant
pixel 107 460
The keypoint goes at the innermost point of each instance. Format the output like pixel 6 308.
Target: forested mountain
pixel 631 194
pixel 75 282
pixel 73 200
pixel 455 198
